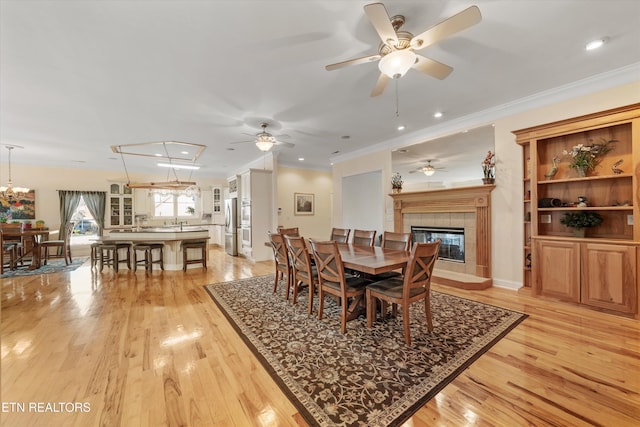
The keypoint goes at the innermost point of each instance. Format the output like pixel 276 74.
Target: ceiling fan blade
pixel 448 27
pixel 355 61
pixel 286 144
pixel 377 14
pixel 381 84
pixel 432 67
pixel 241 142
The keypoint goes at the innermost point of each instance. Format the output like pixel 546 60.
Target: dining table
pixel 372 259
pixel 30 239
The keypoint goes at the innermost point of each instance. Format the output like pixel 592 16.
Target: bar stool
pixel 194 244
pixel 148 261
pixel 106 253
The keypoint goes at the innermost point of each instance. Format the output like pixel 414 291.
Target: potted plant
pixel 39 223
pixel 396 182
pixel 489 168
pixel 585 158
pixel 581 220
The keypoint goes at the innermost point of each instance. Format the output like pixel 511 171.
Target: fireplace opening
pixel 452 246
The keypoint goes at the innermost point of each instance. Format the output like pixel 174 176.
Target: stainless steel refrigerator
pixel 231 226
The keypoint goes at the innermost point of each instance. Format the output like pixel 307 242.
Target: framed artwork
pixel 23 207
pixel 303 204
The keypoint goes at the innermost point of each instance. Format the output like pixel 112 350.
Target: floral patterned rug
pixel 53 266
pixel 367 377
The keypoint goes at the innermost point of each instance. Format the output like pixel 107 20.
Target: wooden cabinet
pixel 609 275
pixel 120 205
pixel 595 274
pixel 558 273
pixel 599 270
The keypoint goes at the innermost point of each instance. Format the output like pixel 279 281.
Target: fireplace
pixel 452 246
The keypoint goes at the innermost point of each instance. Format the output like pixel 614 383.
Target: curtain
pixel 69 201
pixel 96 203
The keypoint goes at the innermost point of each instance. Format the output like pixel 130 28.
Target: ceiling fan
pixel 428 169
pixel 265 141
pixel 397 49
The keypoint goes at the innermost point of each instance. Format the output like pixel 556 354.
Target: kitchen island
pixel 171 236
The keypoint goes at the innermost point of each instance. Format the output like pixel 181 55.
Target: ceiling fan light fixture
pixel 397 63
pixel 265 142
pixel 428 170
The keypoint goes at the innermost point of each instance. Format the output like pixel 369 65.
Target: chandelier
pixel 10 192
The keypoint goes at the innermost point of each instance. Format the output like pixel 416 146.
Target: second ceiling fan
pixel 396 53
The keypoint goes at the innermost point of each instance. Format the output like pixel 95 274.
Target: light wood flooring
pixel 153 350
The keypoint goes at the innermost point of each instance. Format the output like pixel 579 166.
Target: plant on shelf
pixel 584 158
pixel 396 182
pixel 489 168
pixel 581 219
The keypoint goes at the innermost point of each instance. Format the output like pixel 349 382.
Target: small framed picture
pixel 303 204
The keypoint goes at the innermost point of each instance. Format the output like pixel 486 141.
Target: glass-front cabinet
pixel 120 205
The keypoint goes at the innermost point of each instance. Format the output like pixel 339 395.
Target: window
pixel 85 230
pixel 174 205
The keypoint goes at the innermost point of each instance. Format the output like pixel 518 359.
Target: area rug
pixel 367 377
pixel 53 266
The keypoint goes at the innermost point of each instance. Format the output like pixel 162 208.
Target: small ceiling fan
pixel 428 169
pixel 265 141
pixel 397 49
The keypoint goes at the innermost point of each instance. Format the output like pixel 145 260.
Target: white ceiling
pixel 77 77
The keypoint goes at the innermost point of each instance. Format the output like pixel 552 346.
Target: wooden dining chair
pixel 281 259
pixel 334 281
pixel 14 238
pixel 340 235
pixel 293 231
pixel 414 286
pixel 364 237
pixel 304 273
pixel 62 246
pixel 8 255
pixel 391 240
pixel 400 241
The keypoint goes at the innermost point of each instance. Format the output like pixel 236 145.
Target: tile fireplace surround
pixel 468 207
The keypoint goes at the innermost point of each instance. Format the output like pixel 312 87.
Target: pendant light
pixel 10 192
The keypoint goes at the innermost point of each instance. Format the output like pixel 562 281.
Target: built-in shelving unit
pixel 602 269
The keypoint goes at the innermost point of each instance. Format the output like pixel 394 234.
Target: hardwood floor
pixel 80 349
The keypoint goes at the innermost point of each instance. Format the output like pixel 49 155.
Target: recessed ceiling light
pixel 402 150
pixel 345 137
pixel 184 152
pixel 231 149
pixel 301 159
pixel 594 44
pixel 437 114
pixel 400 127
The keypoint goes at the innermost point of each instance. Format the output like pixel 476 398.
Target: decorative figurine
pixel 615 167
pixel 582 202
pixel 554 168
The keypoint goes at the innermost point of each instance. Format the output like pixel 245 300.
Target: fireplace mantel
pixel 475 199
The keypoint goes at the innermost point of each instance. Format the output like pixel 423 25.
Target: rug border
pixel 263 361
pixel 400 419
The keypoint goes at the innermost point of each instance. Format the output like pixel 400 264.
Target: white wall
pixel 318 183
pixel 362 197
pixel 507 212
